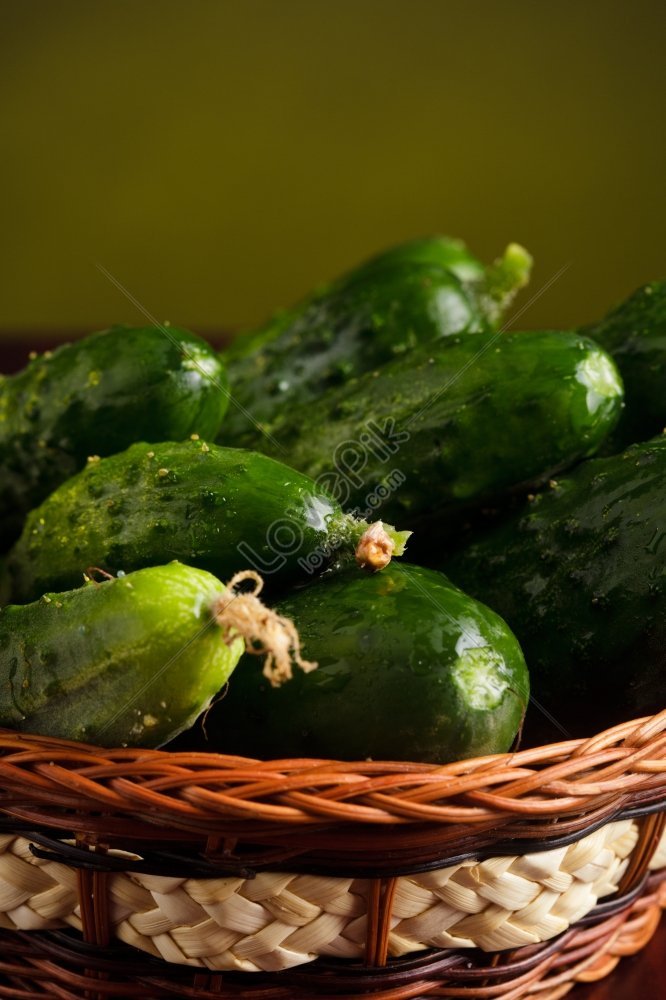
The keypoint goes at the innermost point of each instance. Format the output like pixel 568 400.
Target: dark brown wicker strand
pixel 650 830
pixel 380 903
pixel 220 860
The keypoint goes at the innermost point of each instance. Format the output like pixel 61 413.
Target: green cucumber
pixel 580 576
pixel 95 397
pixel 128 662
pixel 221 509
pixel 455 424
pixel 493 285
pixel 635 334
pixel 409 295
pixel 409 668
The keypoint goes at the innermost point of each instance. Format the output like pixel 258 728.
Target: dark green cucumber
pixel 635 334
pixel 494 286
pixel 409 668
pixel 580 576
pixel 221 509
pixel 409 295
pixel 95 397
pixel 128 662
pixel 455 424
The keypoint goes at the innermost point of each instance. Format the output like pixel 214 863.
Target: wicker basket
pixel 149 874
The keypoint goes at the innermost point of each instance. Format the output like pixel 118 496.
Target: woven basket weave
pixel 135 872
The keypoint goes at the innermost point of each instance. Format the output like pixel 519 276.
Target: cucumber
pixel 382 309
pixel 409 668
pixel 494 285
pixel 455 424
pixel 580 576
pixel 123 663
pixel 95 397
pixel 635 334
pixel 221 509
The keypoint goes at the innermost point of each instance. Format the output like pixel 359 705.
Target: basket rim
pixel 621 767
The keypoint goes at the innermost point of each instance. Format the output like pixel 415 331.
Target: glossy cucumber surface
pixel 492 287
pixel 127 662
pixel 409 668
pixel 440 251
pixel 635 334
pixel 409 295
pixel 221 509
pixel 95 397
pixel 456 424
pixel 580 576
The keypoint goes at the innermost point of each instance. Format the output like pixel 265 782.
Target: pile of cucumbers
pixel 141 472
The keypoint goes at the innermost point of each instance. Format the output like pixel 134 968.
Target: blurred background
pixel 219 158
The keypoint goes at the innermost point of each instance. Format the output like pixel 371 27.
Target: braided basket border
pixel 158 796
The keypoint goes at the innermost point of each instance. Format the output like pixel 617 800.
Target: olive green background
pixel 219 158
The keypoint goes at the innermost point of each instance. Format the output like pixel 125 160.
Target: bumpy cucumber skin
pixel 580 576
pixel 342 334
pixel 128 662
pixel 484 415
pixel 635 334
pixel 396 678
pixel 95 397
pixel 221 509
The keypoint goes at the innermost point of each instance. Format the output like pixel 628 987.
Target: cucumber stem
pixel 506 276
pixel 265 632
